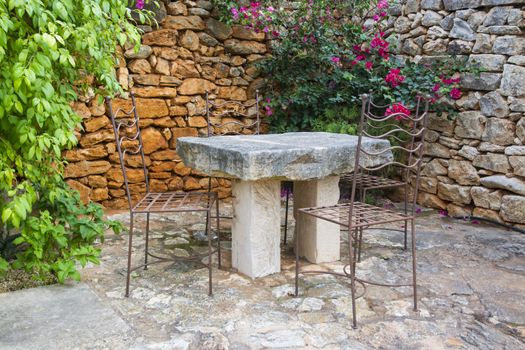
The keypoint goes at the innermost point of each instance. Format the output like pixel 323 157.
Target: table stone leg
pixel 256 227
pixel 319 238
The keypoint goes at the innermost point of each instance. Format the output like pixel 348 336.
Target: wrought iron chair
pixel 367 181
pixel 215 112
pixel 358 215
pixel 129 142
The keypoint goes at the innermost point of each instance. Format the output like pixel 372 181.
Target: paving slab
pixel 60 317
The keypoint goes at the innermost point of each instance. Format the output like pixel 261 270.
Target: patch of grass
pixel 20 279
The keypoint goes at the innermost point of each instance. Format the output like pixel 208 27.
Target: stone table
pixel 257 164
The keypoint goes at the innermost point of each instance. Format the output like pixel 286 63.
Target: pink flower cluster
pixel 399 109
pixel 256 17
pixel 394 78
pixel 454 93
pixel 267 108
pixel 139 4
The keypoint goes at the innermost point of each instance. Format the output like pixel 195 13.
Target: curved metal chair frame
pixel 129 142
pixel 356 216
pixel 367 180
pixel 222 129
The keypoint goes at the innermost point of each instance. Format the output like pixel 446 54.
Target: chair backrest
pixel 405 131
pixel 128 138
pixel 223 118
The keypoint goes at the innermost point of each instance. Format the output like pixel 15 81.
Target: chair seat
pixel 175 202
pixel 368 181
pixel 363 214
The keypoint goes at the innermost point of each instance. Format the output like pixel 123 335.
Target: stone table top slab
pixel 290 156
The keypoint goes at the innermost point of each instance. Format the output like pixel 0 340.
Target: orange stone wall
pixel 189 53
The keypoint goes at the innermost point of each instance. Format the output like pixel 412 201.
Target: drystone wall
pixel 476 161
pixel 190 53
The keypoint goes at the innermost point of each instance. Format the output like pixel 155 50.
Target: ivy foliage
pixel 51 52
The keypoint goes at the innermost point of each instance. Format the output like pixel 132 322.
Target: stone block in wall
pixel 144 51
pixel 490 147
pixel 431 18
pixel 497 16
pixel 495 162
pixel 452 5
pixel 115 175
pixel 146 79
pixel 499 131
pixel 162 37
pixel 520 129
pixel 509 45
pixel 85 168
pixel 518 165
pixel 153 140
pixel 83 190
pixel 468 152
pixel 483 43
pixel 191 183
pixel 463 172
pixel 146 107
pixel 488 62
pixel 500 2
pixel 459 47
pixel 462 30
pixel 517 60
pixel 455 210
pixel 97 137
pixel 454 193
pixel 436 150
pixel 470 125
pixel 97 181
pixel 427 184
pixel 484 81
pixel 238 47
pixel 184 22
pixel 240 32
pixel 195 86
pixel 177 8
pixel 512 208
pixel 486 198
pixel 431 200
pixel 190 40
pixel 436 33
pixel 441 123
pixel 512 184
pixel 99 194
pixel 512 81
pixel 92 153
pixel 432 4
pixel 151 91
pixel 218 29
pixel 434 168
pixel 181 132
pixel 487 214
pixel 493 105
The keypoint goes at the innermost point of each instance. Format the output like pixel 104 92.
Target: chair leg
pixel 208 234
pixel 352 277
pixel 219 262
pixel 296 239
pixel 414 280
pixel 359 244
pixel 286 215
pixel 128 274
pixel 406 212
pixel 147 243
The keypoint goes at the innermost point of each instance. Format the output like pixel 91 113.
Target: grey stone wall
pixel 476 161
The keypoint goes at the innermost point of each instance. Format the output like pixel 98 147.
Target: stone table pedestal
pixel 257 164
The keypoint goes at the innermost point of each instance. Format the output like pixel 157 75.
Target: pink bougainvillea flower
pixel 394 78
pixel 268 110
pixel 335 59
pixel 353 63
pixel 436 87
pixel 360 57
pixel 455 93
pixel 266 29
pixel 418 210
pixel 270 9
pixel 369 65
pixel 140 4
pixel 382 4
pixel 376 18
pixel 443 213
pixel 399 109
pixel 235 13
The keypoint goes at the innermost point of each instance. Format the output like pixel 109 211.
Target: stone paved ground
pixel 471 283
